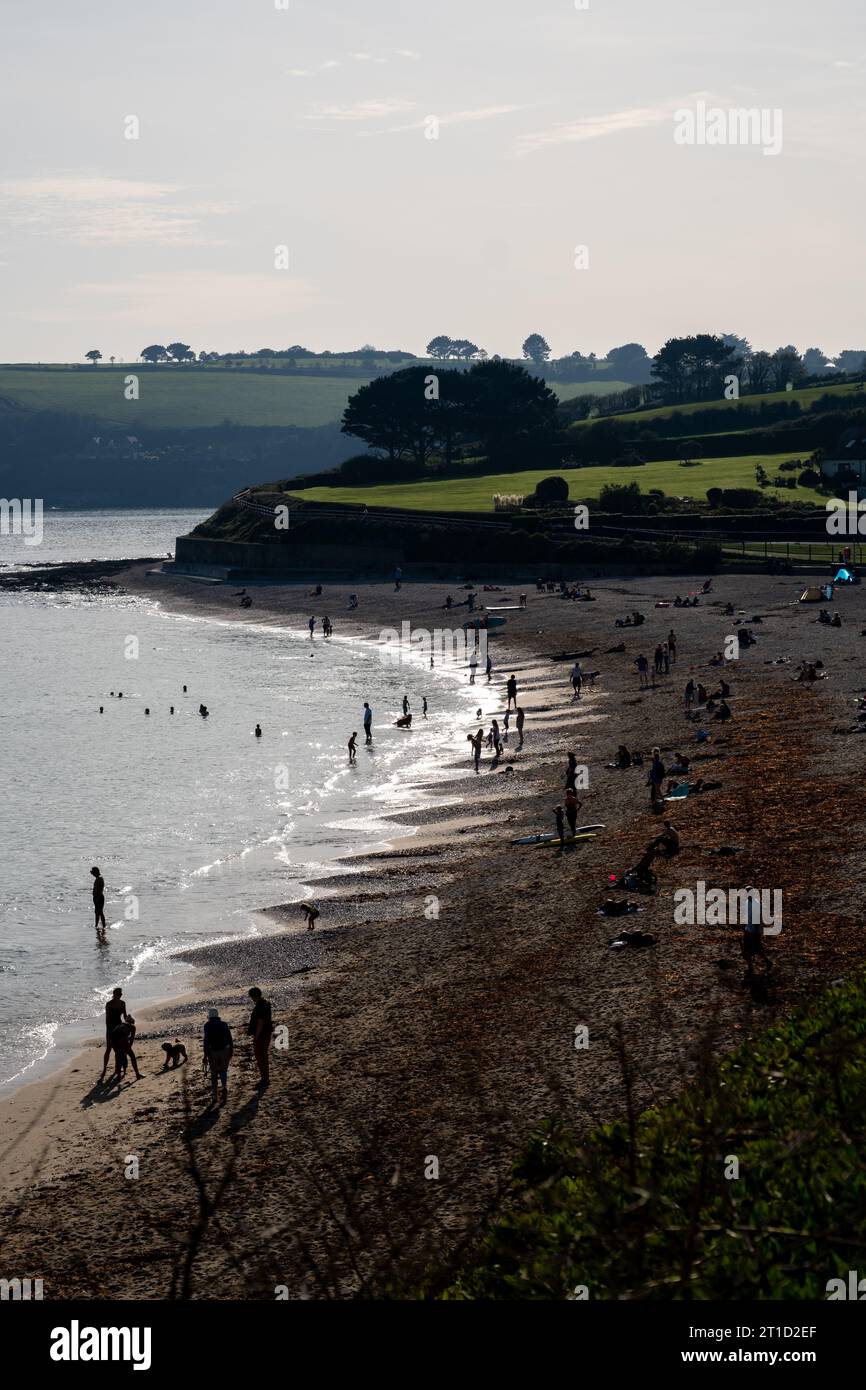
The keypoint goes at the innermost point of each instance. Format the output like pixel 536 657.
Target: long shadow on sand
pixel 103 1091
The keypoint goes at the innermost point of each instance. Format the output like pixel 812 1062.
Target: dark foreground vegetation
pixel 752 1184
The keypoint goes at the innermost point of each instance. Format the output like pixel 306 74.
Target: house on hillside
pixel 848 457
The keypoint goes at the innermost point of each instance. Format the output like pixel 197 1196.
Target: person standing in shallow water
pixel 98 899
pixel 368 723
pixel 353 744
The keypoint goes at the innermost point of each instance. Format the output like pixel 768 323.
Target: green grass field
pixel 476 494
pixel 568 390
pixel 805 398
pixel 181 397
pixel 196 397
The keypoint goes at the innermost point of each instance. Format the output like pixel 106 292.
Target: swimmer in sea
pixel 258 731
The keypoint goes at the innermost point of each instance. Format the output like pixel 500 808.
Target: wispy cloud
pixel 595 127
pixel 388 55
pixel 480 113
pixel 96 209
pixel 372 109
pixel 204 298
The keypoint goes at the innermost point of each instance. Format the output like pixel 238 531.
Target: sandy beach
pixel 430 1018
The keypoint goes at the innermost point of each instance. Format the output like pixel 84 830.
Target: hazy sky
pixel 307 127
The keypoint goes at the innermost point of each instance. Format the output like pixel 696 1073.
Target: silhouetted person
pixel 260 1029
pixel 98 898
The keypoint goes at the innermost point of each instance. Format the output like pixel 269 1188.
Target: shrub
pixel 551 491
pixel 809 478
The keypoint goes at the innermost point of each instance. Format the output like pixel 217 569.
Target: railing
pixel 328 511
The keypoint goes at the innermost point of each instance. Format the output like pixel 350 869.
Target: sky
pixel 431 168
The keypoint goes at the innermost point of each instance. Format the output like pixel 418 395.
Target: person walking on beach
pixel 260 1028
pixel 311 625
pixel 576 680
pixel 494 738
pixel 115 1012
pixel 519 722
pixel 218 1048
pixel 689 693
pixel 752 942
pixel 571 772
pixel 368 723
pixel 424 707
pixel 353 744
pixel 398 578
pixel 572 806
pixel 98 898
pixel 473 667
pixel 511 690
pixel 672 645
pixel 489 669
pixel 405 704
pixel 643 667
pixel 560 826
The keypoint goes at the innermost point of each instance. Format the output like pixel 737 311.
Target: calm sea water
pixel 112 534
pixel 194 822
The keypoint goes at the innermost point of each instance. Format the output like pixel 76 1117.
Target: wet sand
pixel 429 1020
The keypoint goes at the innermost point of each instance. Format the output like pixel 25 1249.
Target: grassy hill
pixel 181 397
pixel 476 494
pixel 804 398
pixel 190 396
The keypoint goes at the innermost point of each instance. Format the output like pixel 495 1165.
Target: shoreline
pixel 450 1033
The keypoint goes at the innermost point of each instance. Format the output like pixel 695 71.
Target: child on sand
pixel 353 744
pixel 311 912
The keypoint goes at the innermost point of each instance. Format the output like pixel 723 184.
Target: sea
pixel 196 824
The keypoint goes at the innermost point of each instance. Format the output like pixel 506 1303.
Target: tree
pixel 94 356
pixel 817 363
pixel 497 408
pixel 689 451
pixel 508 410
pixel 851 360
pixel 759 370
pixel 464 349
pixel 391 413
pixel 741 346
pixel 787 365
pixel 536 349
pixel 181 352
pixel 630 363
pixel 439 347
pixel 155 353
pixel 693 368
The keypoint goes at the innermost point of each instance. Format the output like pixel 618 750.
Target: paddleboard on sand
pixel 567 840
pixel 552 835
